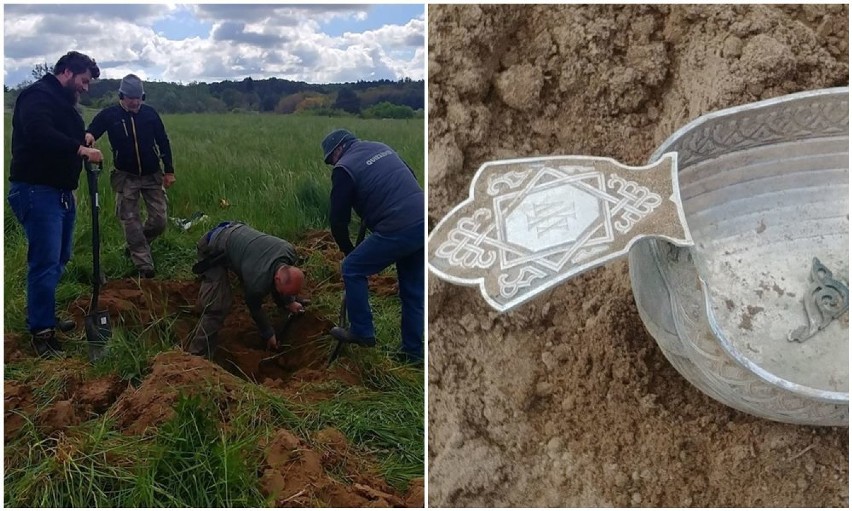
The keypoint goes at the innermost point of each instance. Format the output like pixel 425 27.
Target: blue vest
pixel 387 195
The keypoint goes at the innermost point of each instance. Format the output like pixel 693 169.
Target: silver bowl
pixel 765 190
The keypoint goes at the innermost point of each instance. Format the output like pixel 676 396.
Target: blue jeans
pixel 47 215
pixel 374 254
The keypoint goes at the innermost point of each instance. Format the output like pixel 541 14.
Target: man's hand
pixel 295 307
pixel 93 155
pixel 90 139
pixel 272 343
pixel 168 180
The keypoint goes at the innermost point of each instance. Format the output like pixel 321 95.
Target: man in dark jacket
pixel 264 265
pixel 47 151
pixel 372 179
pixel 138 139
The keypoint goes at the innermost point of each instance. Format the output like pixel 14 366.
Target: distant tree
pixel 40 70
pixel 387 110
pixel 347 101
pixel 232 98
pixel 268 102
pixel 311 103
pixel 248 84
pixel 251 101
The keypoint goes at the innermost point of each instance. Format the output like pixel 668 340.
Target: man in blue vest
pixel 372 179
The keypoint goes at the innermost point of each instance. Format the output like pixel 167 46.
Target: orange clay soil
pixel 296 471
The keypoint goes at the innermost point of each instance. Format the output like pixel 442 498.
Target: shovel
pixel 343 321
pixel 98 329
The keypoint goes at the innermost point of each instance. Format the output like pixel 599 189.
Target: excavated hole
pixel 303 342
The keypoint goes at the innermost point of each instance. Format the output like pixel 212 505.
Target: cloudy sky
pixel 184 43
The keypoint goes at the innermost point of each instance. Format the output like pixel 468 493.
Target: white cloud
pixel 257 40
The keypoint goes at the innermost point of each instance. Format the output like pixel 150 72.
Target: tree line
pixel 371 99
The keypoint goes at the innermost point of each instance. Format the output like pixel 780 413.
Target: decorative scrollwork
pixel 825 300
pixel 510 287
pixel 510 180
pixel 636 202
pixel 462 247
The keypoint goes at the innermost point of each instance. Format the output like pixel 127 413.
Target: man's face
pixel 131 104
pixel 76 84
pixel 336 154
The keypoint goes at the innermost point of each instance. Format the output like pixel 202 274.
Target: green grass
pixel 269 170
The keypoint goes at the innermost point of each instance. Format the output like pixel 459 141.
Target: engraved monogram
pixel 532 223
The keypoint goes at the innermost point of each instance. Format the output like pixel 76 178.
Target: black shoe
pixel 146 273
pixel 406 359
pixel 343 335
pixel 65 325
pixel 46 345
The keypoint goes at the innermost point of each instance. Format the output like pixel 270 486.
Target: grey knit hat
pixel 131 86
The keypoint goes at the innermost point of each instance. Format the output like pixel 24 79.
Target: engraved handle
pixel 529 224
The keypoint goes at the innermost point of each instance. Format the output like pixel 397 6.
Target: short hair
pixel 78 63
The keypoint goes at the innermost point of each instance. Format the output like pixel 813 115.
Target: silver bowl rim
pixel 727 345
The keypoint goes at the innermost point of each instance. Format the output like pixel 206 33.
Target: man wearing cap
pixel 138 139
pixel 47 152
pixel 264 265
pixel 372 179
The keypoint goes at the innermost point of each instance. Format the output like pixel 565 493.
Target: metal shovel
pixel 98 329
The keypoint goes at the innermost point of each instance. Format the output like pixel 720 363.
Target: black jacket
pixel 47 132
pixel 138 140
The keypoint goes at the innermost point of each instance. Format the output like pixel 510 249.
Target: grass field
pixel 266 171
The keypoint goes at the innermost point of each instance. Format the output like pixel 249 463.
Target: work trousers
pixel 215 296
pixel 47 215
pixel 128 189
pixel 378 251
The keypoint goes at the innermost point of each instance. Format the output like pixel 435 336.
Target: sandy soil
pixel 567 401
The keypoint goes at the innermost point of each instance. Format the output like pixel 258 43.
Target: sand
pixel 567 401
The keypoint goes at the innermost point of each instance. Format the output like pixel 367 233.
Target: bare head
pixel 288 280
pixel 75 71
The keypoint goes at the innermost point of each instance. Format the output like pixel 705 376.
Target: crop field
pixel 149 425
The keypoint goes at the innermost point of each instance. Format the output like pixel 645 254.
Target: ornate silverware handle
pixel 532 223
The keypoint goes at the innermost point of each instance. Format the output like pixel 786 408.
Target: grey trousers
pixel 128 189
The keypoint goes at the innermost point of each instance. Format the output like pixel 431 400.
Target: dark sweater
pixel 47 132
pixel 254 257
pixel 138 140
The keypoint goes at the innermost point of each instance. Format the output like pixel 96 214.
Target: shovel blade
pixel 98 332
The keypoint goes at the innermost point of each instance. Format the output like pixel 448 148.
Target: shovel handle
pixel 532 223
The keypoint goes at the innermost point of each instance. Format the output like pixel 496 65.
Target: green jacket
pixel 254 257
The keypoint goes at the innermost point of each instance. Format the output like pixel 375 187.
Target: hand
pixel 272 343
pixel 168 180
pixel 295 307
pixel 90 140
pixel 93 155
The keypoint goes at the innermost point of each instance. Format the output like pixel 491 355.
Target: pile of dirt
pixel 77 399
pixel 296 472
pixel 567 401
pixel 305 344
pixel 296 475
